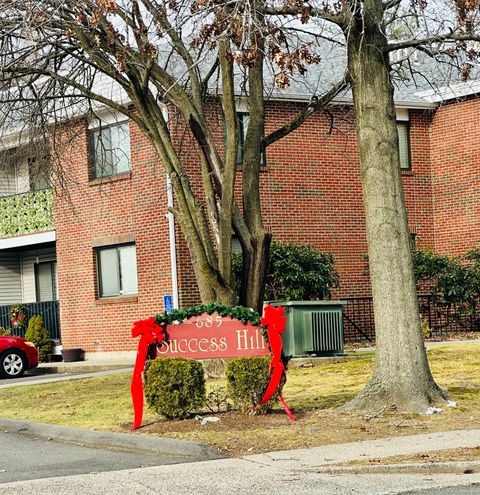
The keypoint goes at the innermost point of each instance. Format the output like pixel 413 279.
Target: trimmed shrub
pixel 39 335
pixel 247 380
pixel 295 272
pixel 5 332
pixel 174 387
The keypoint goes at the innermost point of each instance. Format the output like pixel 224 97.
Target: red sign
pixel 212 336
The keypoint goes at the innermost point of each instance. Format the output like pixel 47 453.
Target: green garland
pixel 237 312
pixel 240 313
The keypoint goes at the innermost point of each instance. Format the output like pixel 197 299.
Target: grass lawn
pixel 103 403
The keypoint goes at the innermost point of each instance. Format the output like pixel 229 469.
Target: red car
pixel 17 355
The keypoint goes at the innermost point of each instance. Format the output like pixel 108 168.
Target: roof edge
pixel 346 100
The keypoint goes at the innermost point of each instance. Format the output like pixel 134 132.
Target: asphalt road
pixel 25 458
pixel 458 490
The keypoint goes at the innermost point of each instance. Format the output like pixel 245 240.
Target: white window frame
pixel 121 292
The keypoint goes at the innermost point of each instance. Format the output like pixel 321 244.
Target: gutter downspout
pixel 171 232
pixel 173 246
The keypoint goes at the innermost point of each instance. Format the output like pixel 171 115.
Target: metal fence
pixel 443 319
pixel 358 323
pixel 48 310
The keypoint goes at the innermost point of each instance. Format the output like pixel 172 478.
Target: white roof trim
pixel 452 92
pixel 346 100
pixel 28 240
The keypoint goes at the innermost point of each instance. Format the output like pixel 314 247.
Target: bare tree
pixel 58 54
pixel 145 47
pixel 447 35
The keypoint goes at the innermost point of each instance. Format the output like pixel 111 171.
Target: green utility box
pixel 313 327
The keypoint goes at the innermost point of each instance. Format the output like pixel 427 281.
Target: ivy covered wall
pixel 26 213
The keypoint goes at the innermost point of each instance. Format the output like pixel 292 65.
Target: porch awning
pixel 28 240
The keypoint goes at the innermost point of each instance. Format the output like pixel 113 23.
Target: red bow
pixel 151 333
pixel 275 323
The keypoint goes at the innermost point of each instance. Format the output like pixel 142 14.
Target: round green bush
pixel 175 387
pixel 247 380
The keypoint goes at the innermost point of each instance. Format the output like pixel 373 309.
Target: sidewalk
pixel 304 471
pixel 82 366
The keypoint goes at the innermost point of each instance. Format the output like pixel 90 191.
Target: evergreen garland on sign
pixel 237 312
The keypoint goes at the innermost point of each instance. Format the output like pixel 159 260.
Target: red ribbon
pixel 151 333
pixel 275 322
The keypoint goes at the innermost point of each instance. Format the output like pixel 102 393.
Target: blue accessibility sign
pixel 168 303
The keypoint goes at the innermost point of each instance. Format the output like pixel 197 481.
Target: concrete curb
pixel 450 467
pixel 80 367
pixel 123 442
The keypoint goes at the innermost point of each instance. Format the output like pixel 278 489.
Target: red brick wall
pixel 456 171
pixel 311 193
pixel 417 183
pixel 134 206
pixel 311 190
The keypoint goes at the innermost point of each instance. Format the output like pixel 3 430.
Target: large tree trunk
pixel 256 254
pixel 402 377
pixel 254 273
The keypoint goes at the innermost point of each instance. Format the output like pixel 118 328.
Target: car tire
pixel 12 364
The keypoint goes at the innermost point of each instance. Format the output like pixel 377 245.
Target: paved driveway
pixel 25 458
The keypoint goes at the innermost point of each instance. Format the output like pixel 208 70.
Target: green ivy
pixel 24 213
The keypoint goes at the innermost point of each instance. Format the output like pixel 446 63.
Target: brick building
pixel 108 251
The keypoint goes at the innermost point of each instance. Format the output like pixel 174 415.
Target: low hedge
pixel 247 380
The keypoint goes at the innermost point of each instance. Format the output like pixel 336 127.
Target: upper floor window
pixel 243 120
pixel 117 271
pixel 110 150
pixel 39 173
pixel 403 129
pixel 24 169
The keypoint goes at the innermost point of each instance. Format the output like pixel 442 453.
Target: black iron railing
pixel 48 310
pixel 443 319
pixel 358 323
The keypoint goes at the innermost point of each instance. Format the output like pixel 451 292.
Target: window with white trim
pixel 117 270
pixel 110 150
pixel 403 129
pixel 243 120
pixel 46 280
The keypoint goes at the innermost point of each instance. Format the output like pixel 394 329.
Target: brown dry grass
pixel 448 455
pixel 314 394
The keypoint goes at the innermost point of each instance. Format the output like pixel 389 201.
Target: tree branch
pixel 339 19
pixel 447 37
pixel 314 105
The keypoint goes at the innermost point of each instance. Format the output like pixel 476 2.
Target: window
pixel 243 119
pixel 413 241
pixel 110 150
pixel 403 129
pixel 236 245
pixel 46 281
pixel 39 173
pixel 117 271
pixel 24 169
